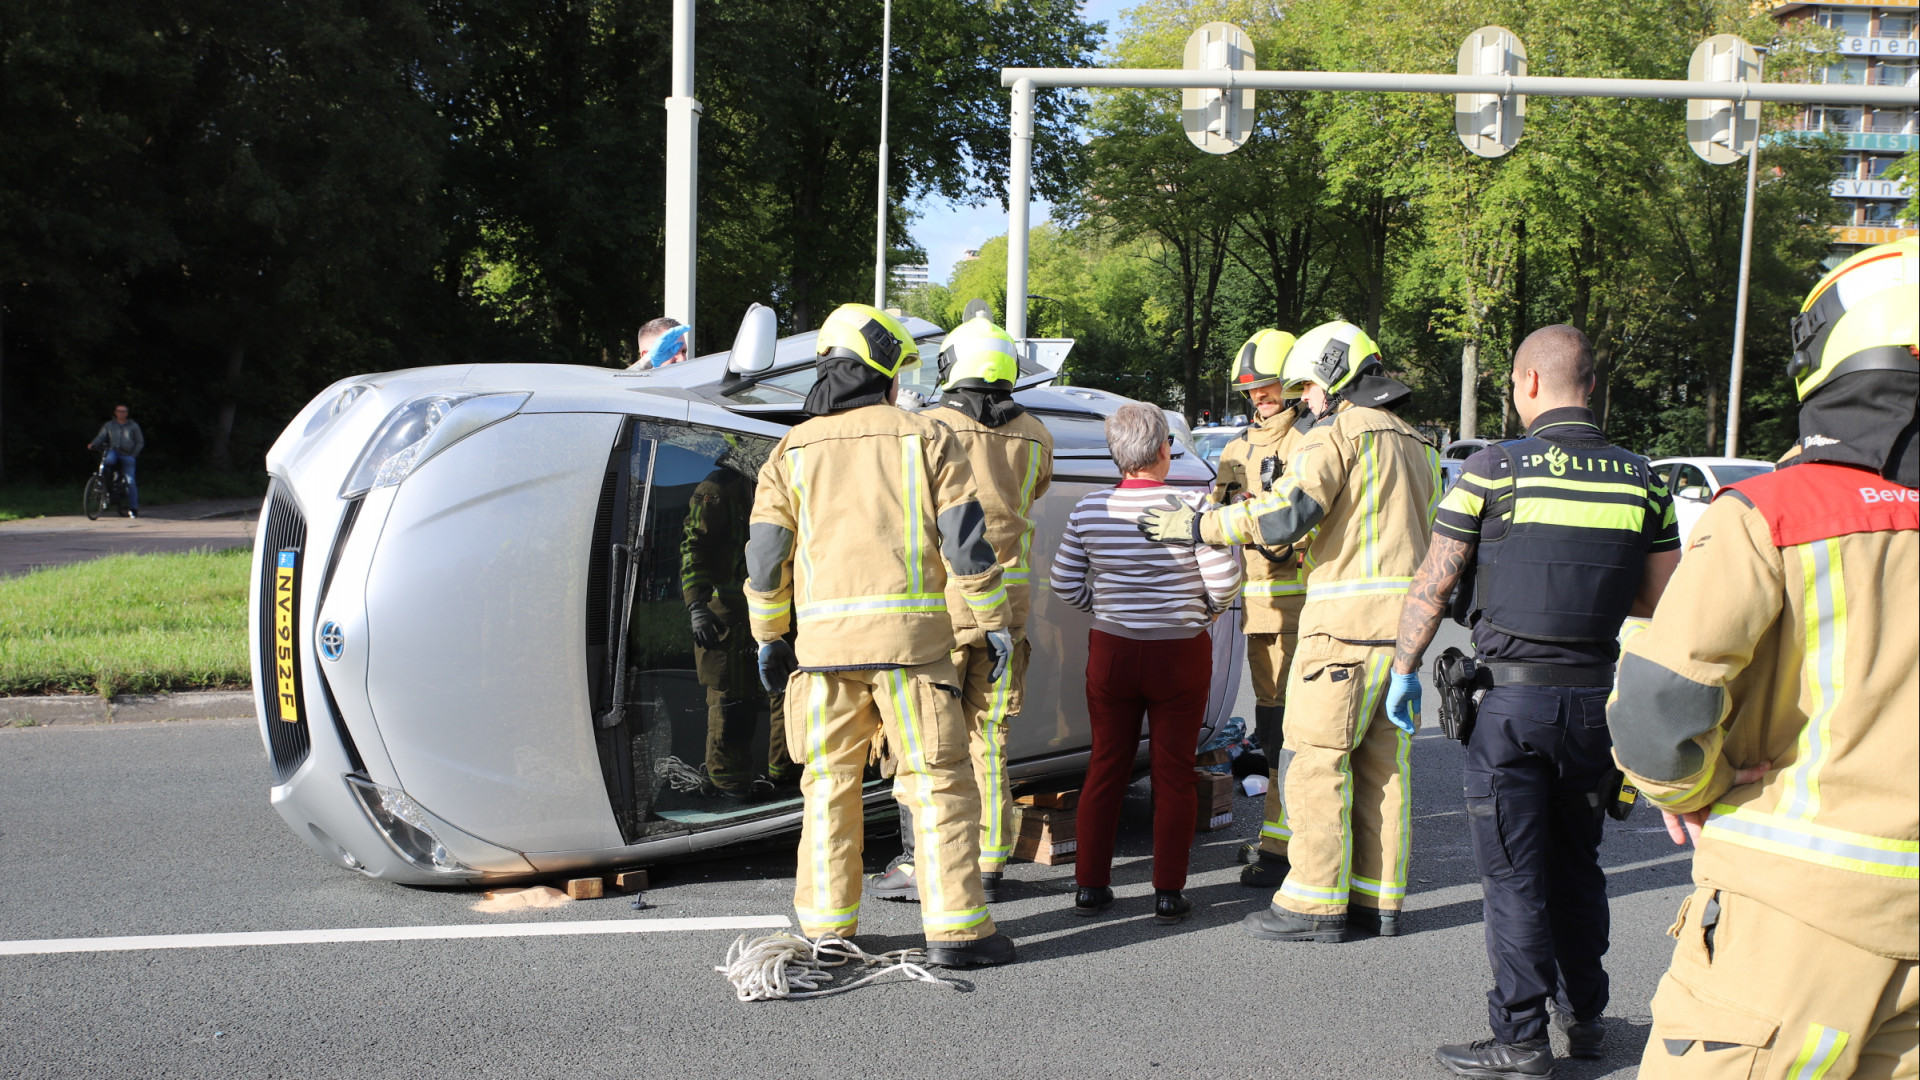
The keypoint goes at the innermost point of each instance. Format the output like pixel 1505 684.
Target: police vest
pixel 1570 562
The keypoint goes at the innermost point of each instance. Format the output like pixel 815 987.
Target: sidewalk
pixel 56 541
pixel 69 709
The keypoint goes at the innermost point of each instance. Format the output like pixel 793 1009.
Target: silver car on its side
pixel 471 653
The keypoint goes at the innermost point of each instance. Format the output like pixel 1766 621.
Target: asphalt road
pixel 165 828
pixel 211 524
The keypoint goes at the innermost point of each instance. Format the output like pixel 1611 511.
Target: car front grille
pixel 288 740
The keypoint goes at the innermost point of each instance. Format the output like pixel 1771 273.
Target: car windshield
pixel 1213 442
pixel 1733 474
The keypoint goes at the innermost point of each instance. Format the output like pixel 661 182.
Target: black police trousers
pixel 1532 758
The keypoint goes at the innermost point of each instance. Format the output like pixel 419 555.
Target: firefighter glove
pixel 1270 469
pixel 1403 702
pixel 1173 524
pixel 1000 648
pixel 777 663
pixel 708 631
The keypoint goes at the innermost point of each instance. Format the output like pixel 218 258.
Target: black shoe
pixel 1491 1059
pixel 1373 921
pixel 1092 901
pixel 1584 1037
pixel 1169 906
pixel 1278 924
pixel 1247 852
pixel 990 885
pixel 985 952
pixel 1267 872
pixel 897 882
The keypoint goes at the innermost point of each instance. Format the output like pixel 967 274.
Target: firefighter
pixel 862 516
pixel 1011 454
pixel 1276 579
pixel 1363 483
pixel 1769 711
pixel 712 574
pixel 1557 538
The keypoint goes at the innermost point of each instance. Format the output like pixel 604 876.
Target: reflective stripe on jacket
pixel 1788 636
pixel 857 521
pixel 1272 594
pixel 1012 468
pixel 1366 485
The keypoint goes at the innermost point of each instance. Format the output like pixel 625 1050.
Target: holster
pixel 1457 678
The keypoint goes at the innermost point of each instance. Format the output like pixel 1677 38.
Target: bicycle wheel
pixel 94 502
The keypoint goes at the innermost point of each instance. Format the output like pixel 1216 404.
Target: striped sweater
pixel 1132 586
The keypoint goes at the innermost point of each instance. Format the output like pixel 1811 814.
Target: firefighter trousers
pixel 1346 799
pixel 1753 992
pixel 989 707
pixel 1269 656
pixel 832 720
pixel 1535 756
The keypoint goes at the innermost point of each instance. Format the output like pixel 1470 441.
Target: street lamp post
pixel 880 226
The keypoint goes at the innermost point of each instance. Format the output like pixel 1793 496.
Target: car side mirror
pixel 753 345
pixel 1693 494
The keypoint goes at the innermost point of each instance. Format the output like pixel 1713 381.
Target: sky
pixel 947 230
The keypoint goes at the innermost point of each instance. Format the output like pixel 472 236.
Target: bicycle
pixel 106 490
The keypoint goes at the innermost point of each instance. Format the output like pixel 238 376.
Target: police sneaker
pixel 1092 901
pixel 1584 1037
pixel 896 883
pixel 985 952
pixel 990 884
pixel 1267 871
pixel 1170 907
pixel 1278 924
pixel 1373 921
pixel 1491 1059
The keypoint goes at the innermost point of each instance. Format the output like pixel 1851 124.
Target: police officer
pixel 1565 535
pixel 862 516
pixel 1276 579
pixel 1368 482
pixel 1011 453
pixel 1769 710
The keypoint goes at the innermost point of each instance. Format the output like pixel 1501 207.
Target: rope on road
pixel 786 965
pixel 678 775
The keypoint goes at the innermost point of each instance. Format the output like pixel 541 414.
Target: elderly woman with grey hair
pixel 1147 654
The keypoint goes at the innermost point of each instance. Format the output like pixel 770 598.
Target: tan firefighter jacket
pixel 1272 593
pixel 858 522
pixel 1366 486
pixel 1012 467
pixel 1788 636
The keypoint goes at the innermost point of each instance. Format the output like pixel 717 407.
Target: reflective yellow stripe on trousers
pixel 1818 1052
pixel 819 817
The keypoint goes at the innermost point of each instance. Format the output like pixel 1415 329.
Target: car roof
pixel 1710 461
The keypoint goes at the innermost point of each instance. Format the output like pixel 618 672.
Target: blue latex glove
pixel 1000 648
pixel 777 663
pixel 1403 701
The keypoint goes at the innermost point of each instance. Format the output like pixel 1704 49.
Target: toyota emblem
pixel 332 641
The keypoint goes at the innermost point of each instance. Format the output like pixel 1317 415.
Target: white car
pixel 1694 481
pixel 471 654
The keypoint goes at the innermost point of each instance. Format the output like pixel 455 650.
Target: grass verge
pixel 127 624
pixel 31 500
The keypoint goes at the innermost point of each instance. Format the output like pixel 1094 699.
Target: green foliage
pixel 127 624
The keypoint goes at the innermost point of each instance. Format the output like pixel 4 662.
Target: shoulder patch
pixel 1817 500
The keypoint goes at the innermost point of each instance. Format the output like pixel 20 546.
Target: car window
pixel 1687 477
pixel 1733 474
pixel 698 739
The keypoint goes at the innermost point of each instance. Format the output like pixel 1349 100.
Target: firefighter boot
pixel 1278 924
pixel 1373 921
pixel 985 952
pixel 990 885
pixel 1491 1059
pixel 1267 871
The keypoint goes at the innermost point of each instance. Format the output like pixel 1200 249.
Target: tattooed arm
pixel 1426 601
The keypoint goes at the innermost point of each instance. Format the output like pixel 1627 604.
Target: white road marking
pixel 387 933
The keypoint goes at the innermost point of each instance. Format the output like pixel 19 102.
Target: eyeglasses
pixel 1170 440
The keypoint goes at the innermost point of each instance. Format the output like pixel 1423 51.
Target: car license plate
pixel 286 679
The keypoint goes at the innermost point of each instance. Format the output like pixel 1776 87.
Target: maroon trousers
pixel 1166 681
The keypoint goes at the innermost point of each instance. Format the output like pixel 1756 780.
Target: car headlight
pixel 406 825
pixel 421 428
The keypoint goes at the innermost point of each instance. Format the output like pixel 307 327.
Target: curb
pixel 73 709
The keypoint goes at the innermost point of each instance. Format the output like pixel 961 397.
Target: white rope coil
pixel 786 965
pixel 679 775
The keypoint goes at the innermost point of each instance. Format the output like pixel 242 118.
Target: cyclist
pixel 124 442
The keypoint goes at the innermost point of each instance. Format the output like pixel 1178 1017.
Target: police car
pixel 472 661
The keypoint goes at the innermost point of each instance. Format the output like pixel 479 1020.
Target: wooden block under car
pixel 630 881
pixel 1060 824
pixel 1212 757
pixel 586 888
pixel 1044 848
pixel 1052 800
